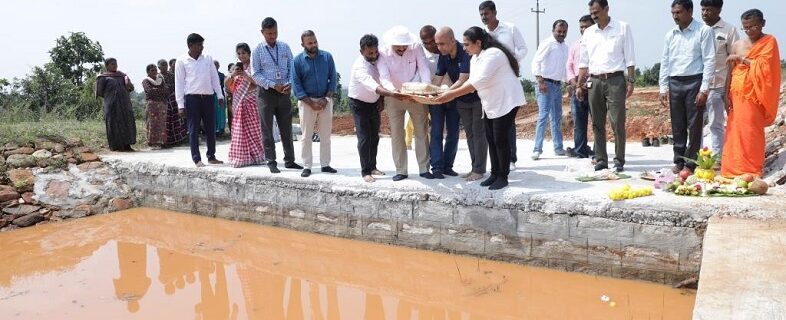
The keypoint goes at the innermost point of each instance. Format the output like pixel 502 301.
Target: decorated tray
pixel 422 92
pixel 422 99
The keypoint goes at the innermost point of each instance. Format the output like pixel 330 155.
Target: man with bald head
pixel 454 63
pixel 754 83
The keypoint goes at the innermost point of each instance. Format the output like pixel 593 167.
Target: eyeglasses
pixel 746 29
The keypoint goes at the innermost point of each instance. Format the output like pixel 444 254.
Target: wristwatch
pixel 631 80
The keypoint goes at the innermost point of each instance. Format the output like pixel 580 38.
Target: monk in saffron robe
pixel 754 87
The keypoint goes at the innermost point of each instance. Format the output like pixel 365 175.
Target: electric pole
pixel 537 11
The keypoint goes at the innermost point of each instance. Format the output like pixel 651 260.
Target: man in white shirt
pixel 510 36
pixel 427 39
pixel 606 51
pixel 366 103
pixel 548 67
pixel 403 61
pixel 725 36
pixel 196 81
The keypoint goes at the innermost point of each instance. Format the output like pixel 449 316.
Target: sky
pixel 139 32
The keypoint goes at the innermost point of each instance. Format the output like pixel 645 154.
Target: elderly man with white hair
pixel 401 61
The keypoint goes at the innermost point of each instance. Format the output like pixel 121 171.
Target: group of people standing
pixel 484 93
pixel 703 67
pixel 165 127
pixel 707 67
pixel 260 85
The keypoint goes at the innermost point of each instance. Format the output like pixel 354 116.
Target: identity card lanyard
pixel 275 59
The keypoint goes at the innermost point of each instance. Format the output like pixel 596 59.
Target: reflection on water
pixel 133 282
pixel 153 264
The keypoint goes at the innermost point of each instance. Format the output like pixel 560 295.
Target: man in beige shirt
pixel 725 36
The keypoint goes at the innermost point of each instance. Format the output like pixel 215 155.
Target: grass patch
pixel 91 132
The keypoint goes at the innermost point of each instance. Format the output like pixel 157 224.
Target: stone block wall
pixel 654 244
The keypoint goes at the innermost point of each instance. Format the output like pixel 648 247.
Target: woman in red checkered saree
pixel 246 146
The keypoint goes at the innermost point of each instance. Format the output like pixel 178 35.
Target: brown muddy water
pixel 154 264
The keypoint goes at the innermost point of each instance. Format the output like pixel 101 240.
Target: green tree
pixel 649 77
pixel 340 104
pixel 87 105
pixel 528 86
pixel 45 88
pixel 5 89
pixel 338 95
pixel 76 55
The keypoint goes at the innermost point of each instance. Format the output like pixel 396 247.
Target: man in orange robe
pixel 754 89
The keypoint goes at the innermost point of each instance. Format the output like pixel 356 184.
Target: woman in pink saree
pixel 246 146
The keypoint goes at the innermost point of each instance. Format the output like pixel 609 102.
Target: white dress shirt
pixel 497 85
pixel 607 50
pixel 725 36
pixel 687 53
pixel 363 81
pixel 195 76
pixel 550 60
pixel 432 59
pixel 394 69
pixel 510 36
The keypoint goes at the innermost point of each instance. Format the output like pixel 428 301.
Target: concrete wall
pixel 656 243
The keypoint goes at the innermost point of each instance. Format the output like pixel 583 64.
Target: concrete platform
pixel 544 218
pixel 550 179
pixel 743 274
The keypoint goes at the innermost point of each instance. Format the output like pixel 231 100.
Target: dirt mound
pixel 344 125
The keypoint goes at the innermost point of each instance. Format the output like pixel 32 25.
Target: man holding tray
pixel 454 63
pixel 403 60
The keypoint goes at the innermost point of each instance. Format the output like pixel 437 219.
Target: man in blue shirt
pixel 686 69
pixel 314 82
pixel 272 66
pixel 454 62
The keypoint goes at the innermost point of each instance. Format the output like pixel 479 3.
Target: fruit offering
pixel 689 190
pixel 758 187
pixel 627 192
pixel 705 183
pixel 728 190
pixel 705 160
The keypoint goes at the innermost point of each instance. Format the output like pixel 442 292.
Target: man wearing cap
pixel 401 61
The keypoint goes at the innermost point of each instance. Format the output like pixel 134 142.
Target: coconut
pixel 758 187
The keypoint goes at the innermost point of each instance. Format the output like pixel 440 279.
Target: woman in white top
pixel 493 74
